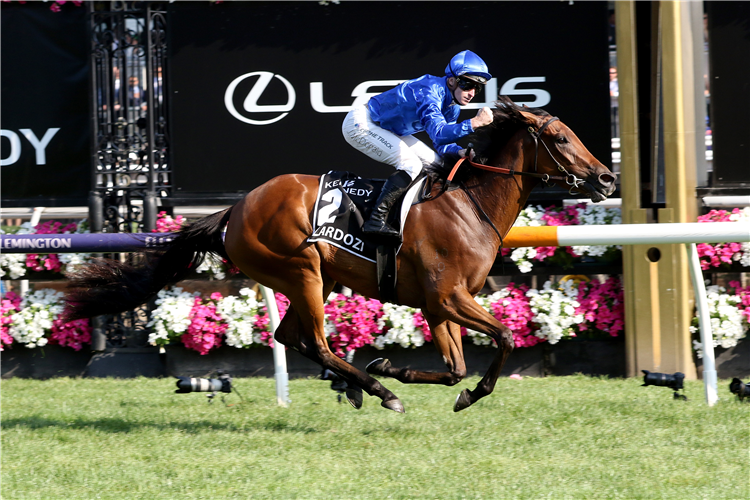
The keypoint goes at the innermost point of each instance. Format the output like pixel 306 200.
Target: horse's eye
pixel 562 140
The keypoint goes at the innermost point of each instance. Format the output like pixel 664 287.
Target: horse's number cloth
pixel 343 199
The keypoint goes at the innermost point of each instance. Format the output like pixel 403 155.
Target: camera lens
pixel 187 384
pixel 674 381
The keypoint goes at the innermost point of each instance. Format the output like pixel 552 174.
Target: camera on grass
pixel 338 384
pixel 673 381
pixel 222 383
pixel 740 389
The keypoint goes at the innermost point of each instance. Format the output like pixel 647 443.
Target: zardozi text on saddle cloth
pixel 338 215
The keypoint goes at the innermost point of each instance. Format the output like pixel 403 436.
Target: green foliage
pixel 556 437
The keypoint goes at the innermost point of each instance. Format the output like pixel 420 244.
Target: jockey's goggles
pixel 468 84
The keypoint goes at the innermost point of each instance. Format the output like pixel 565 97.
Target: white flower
pixel 172 316
pixel 240 315
pixel 72 260
pixel 213 267
pixel 13 264
pixel 402 330
pixel 530 216
pixel 728 325
pixel 33 322
pixel 553 310
pixel 521 257
pixel 745 257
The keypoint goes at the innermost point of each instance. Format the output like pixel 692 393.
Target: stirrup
pixel 384 230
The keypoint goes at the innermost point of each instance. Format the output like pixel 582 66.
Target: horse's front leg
pixel 462 309
pixel 447 339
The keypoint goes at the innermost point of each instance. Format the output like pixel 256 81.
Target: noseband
pixel 570 179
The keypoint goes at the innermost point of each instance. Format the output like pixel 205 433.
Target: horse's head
pixel 561 155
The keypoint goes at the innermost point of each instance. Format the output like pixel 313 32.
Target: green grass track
pixel 556 437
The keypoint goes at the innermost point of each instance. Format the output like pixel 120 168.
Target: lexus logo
pixel 362 93
pixel 251 105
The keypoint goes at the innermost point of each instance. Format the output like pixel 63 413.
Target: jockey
pixel 382 129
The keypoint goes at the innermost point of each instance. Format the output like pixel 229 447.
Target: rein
pixel 570 179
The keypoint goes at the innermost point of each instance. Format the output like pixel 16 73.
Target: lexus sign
pixel 361 93
pixel 260 89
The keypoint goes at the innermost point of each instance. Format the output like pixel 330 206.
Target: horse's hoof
pixel 463 401
pixel 378 366
pixel 393 404
pixel 354 396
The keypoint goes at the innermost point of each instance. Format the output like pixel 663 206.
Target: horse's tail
pixel 108 286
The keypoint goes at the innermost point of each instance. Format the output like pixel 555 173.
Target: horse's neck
pixel 502 197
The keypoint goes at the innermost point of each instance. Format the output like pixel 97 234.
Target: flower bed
pixel 729 310
pixel 588 309
pixel 718 256
pixel 570 309
pixel 34 321
pixel 722 255
pixel 566 257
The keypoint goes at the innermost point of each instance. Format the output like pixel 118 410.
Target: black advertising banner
pixel 729 52
pixel 260 89
pixel 45 109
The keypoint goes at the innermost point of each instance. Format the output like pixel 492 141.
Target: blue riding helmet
pixel 468 64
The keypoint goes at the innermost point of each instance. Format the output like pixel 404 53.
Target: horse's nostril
pixel 606 179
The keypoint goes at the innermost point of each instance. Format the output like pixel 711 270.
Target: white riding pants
pixel 406 152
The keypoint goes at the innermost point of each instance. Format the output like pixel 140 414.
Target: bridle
pixel 570 179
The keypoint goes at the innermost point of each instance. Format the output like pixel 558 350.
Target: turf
pixel 555 437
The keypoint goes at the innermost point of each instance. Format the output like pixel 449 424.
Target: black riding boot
pixel 393 188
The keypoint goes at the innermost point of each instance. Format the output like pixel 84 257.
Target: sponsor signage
pixel 85 243
pixel 729 33
pixel 45 137
pixel 261 89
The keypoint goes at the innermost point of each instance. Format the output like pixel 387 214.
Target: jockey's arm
pixel 441 131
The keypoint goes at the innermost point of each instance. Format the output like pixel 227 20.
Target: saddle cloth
pixel 344 203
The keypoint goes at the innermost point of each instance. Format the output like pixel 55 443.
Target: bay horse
pixel 449 245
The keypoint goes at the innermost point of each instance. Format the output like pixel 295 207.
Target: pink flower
pixel 421 324
pixel 33 262
pixel 356 321
pixel 206 330
pixel 516 376
pixel 261 320
pixel 52 263
pixel 71 334
pixel 602 306
pixel 514 312
pixel 166 224
pixel 9 306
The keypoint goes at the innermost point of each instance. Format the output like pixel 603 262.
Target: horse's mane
pixel 490 140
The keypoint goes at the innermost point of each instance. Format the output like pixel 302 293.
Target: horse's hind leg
pixel 447 339
pixel 291 333
pixel 308 302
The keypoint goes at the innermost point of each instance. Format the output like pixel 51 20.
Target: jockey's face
pixel 462 96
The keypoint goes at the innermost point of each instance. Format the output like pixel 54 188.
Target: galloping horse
pixel 450 243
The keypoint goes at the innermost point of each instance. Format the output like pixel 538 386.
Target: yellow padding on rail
pixel 540 236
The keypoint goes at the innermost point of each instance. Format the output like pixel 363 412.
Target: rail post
pixel 279 355
pixel 704 318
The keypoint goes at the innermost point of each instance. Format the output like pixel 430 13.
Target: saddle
pixel 344 202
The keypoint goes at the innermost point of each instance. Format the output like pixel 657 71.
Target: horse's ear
pixel 531 119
